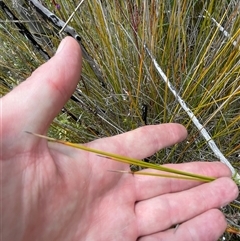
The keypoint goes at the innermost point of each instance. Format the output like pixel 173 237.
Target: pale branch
pixel 62 26
pixel 194 119
pixel 23 30
pixel 221 29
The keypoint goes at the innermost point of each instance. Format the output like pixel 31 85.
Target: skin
pixel 53 192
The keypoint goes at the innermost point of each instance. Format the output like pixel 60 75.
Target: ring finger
pixel 162 212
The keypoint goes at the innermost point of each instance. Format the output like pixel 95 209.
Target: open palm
pixel 54 192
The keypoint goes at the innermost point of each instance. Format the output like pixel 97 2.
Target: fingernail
pixel 60 47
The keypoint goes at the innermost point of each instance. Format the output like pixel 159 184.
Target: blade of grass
pixel 127 160
pixel 71 16
pixel 159 175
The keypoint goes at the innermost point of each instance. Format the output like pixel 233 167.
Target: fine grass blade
pixel 132 161
pixel 159 175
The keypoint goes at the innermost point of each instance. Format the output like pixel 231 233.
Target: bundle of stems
pixel 174 173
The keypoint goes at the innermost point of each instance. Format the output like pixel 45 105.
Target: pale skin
pixel 53 192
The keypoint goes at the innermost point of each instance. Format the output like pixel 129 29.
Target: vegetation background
pixel 196 43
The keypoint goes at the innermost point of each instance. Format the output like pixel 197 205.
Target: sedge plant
pixel 196 43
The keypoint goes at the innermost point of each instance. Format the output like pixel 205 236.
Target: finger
pixel 144 141
pixel 178 207
pixel 208 226
pixel 34 103
pixel 139 143
pixel 148 186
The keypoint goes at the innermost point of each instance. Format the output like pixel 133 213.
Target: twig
pixel 221 29
pixel 194 119
pixel 23 30
pixel 60 24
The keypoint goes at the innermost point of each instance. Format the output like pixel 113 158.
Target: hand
pixel 54 192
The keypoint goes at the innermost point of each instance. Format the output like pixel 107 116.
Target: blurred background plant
pixel 196 43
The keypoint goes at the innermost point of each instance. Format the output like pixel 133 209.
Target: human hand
pixel 54 192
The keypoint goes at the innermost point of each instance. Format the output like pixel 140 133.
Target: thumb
pixel 33 104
